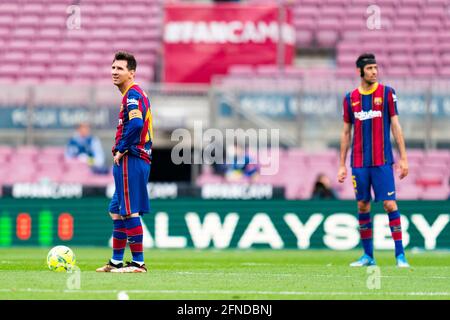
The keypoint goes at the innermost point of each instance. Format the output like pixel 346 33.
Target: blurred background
pixel 257 64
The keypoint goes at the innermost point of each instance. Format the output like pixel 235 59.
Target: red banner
pixel 201 40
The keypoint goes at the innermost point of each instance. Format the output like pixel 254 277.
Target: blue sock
pixel 396 231
pixel 119 240
pixel 365 231
pixel 135 238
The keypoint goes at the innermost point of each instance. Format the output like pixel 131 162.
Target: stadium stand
pixel 47 47
pixel 46 50
pixel 428 178
pixel 413 33
pixel 31 164
pixel 325 23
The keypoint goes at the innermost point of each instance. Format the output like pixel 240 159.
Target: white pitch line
pixel 286 293
pixel 265 275
pixel 300 275
pixel 287 275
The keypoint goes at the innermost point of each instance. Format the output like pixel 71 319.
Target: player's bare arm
pixel 397 132
pixel 345 144
pixel 117 157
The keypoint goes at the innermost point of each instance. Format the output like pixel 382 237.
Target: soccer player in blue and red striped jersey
pixel 372 111
pixel 132 159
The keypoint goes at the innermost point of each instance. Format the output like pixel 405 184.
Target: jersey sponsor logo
pixel 394 97
pixel 132 101
pixel 366 115
pixel 120 122
pixel 355 103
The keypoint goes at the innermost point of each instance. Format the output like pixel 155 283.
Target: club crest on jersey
pixel 378 101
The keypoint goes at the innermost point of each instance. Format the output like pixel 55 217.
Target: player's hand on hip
pixel 342 174
pixel 403 165
pixel 117 158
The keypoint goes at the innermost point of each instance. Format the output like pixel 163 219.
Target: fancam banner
pixel 223 224
pixel 201 40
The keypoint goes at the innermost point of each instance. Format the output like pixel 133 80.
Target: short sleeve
pixel 133 98
pixel 345 110
pixel 133 105
pixel 392 103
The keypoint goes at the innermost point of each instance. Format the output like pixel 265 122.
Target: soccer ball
pixel 61 259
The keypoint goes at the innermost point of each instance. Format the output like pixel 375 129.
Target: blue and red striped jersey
pixel 370 114
pixel 135 132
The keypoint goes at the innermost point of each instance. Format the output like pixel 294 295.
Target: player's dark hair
pixel 363 60
pixel 128 57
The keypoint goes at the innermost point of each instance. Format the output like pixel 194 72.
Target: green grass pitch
pixel 230 274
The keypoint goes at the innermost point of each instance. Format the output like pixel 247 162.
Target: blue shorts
pixel 380 178
pixel 130 179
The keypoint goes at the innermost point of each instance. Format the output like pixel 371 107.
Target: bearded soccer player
pixel 372 111
pixel 132 158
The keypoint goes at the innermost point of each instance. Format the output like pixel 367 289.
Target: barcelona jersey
pixel 370 114
pixel 134 133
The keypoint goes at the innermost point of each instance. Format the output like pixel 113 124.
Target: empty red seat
pixel 435 193
pixel 426 59
pixel 327 38
pixel 425 72
pixel 409 192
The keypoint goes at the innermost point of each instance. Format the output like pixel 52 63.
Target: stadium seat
pixel 435 193
pixel 29 29
pixel 327 38
pixel 299 168
pixel 241 70
pixel 408 192
pixel 99 180
pixel 26 151
pixel 39 35
pixel 208 179
pixel 347 192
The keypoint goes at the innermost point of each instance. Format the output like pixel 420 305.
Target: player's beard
pixel 370 82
